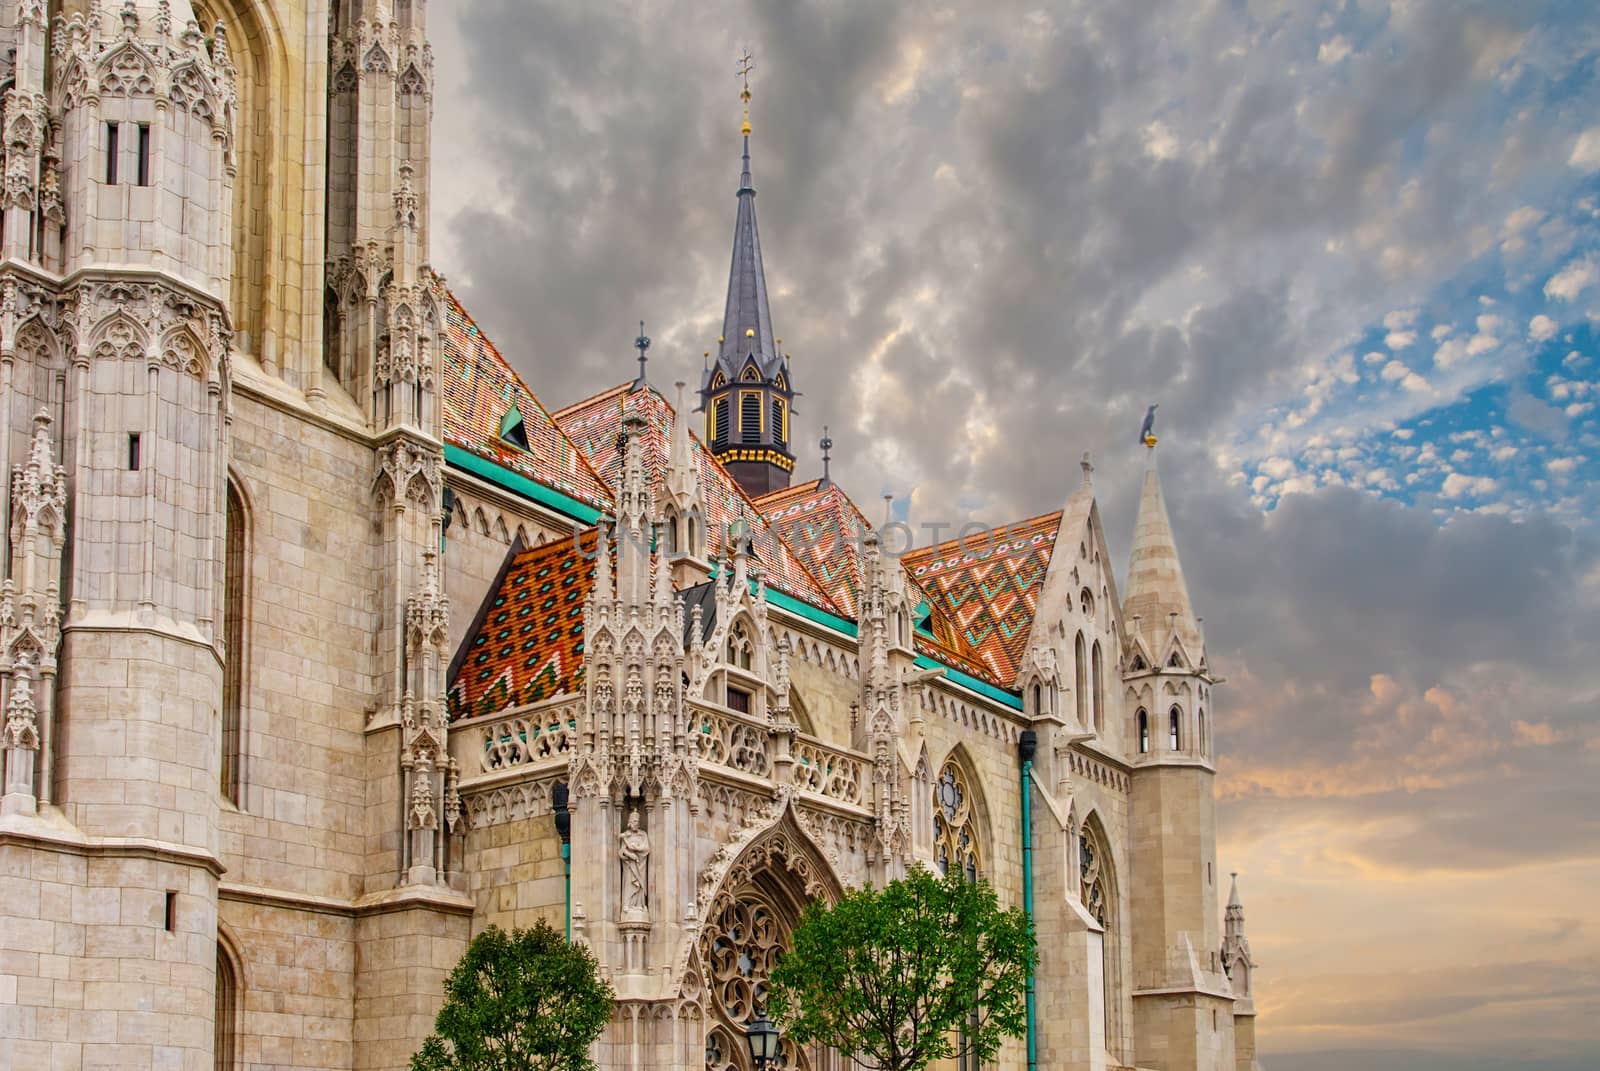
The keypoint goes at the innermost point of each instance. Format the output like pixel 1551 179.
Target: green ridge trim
pixel 803 608
pixel 813 613
pixel 971 683
pixel 519 484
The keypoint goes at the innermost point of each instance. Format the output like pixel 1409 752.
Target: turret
pixel 748 394
pixel 1182 1001
pixel 145 102
pixel 380 311
pixel 1240 965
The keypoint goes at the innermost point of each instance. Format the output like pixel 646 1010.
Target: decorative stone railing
pixel 535 742
pixel 733 740
pixel 527 737
pixel 829 771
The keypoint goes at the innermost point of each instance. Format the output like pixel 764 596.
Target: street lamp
pixel 762 1037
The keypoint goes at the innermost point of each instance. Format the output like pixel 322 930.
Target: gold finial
pixel 746 65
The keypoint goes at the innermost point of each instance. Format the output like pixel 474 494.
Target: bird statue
pixel 1147 431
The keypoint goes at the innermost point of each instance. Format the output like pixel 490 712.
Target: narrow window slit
pixel 144 154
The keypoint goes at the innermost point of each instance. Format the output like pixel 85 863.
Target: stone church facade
pixel 314 616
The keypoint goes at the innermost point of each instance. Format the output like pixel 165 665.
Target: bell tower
pixel 1183 1004
pixel 747 395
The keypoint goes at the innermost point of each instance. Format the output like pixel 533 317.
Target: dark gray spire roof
pixel 747 321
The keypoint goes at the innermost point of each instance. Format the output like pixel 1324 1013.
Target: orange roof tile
pixel 823 528
pixel 593 425
pixel 989 588
pixel 480 387
pixel 528 642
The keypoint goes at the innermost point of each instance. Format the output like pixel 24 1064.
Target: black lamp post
pixel 762 1036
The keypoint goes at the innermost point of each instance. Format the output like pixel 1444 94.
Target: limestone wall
pixel 308 675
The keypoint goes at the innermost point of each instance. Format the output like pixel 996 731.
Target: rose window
pixel 955 840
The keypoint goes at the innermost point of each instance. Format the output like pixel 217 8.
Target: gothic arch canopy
pixel 777 841
pixel 752 895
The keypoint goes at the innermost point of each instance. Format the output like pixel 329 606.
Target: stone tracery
pixel 955 836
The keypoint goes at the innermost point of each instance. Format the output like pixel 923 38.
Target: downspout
pixel 558 805
pixel 1027 746
pixel 447 511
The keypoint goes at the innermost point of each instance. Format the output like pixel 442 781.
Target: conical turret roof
pixel 1157 593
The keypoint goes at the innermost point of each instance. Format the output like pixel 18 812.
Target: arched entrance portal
pixel 747 929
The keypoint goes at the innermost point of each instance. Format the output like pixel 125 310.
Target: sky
pixel 1352 249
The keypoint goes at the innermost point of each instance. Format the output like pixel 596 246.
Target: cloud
pixel 1561 466
pixel 1210 221
pixel 1570 281
pixel 1159 142
pixel 1586 151
pixel 1541 328
pixel 1458 485
pixel 1333 50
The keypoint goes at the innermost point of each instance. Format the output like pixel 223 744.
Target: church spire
pixel 1157 593
pixel 747 393
pixel 747 318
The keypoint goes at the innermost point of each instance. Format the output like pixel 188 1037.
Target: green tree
pixel 924 969
pixel 519 1001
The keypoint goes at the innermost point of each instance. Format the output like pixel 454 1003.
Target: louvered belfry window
pixel 750 417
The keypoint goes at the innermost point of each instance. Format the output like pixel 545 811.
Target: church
pixel 325 642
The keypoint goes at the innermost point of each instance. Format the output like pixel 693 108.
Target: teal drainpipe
pixel 558 805
pixel 1027 746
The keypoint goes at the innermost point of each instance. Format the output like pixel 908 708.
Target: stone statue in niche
pixel 634 851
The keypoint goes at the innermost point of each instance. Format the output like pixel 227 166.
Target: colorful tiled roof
pixel 823 528
pixel 528 642
pixel 989 588
pixel 480 388
pixel 593 425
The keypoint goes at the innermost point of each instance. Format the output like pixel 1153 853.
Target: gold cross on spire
pixel 746 65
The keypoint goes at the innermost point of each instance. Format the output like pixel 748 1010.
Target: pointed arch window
pixel 224 1025
pixel 1144 732
pixel 1098 666
pixel 741 651
pixel 1201 734
pixel 1086 602
pixel 233 619
pixel 955 833
pixel 1173 735
pixel 1098 892
pixel 1081 691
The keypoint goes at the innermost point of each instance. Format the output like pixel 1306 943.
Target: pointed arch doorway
pixel 747 929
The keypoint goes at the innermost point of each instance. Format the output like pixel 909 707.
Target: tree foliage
pixel 519 1001
pixel 924 969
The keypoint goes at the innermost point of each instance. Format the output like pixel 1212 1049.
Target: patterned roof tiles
pixel 528 642
pixel 823 528
pixel 989 588
pixel 593 425
pixel 480 387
